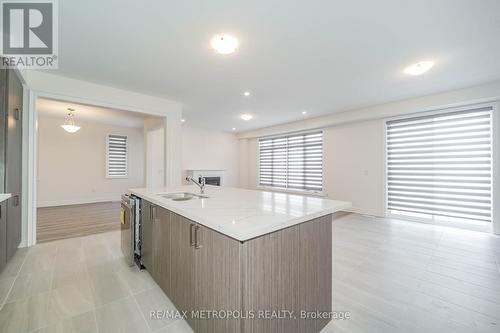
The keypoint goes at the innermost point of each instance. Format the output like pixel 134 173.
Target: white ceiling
pixel 322 56
pixel 87 113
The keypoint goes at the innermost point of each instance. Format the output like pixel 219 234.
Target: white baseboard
pixel 76 201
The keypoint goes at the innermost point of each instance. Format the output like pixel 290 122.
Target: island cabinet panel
pixel 271 280
pixel 291 270
pixel 147 235
pixel 182 263
pixel 315 273
pixel 217 279
pixel 161 248
pixel 276 278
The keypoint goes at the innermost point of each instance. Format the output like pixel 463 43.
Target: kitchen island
pixel 241 260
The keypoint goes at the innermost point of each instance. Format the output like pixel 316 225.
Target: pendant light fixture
pixel 69 124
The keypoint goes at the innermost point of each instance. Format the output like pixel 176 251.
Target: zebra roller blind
pixel 117 156
pixel 441 164
pixel 292 161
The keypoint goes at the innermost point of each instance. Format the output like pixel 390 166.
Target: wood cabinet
pixel 147 235
pixel 182 256
pixel 196 267
pixel 161 247
pixel 155 246
pixel 293 269
pixel 217 278
pixel 204 271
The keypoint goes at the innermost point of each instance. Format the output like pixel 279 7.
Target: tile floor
pixel 392 276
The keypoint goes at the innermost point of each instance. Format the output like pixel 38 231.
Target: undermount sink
pixel 182 196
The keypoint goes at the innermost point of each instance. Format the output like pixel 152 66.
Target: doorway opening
pixel 87 157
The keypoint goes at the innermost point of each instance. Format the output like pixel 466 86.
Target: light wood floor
pixel 61 222
pixel 392 276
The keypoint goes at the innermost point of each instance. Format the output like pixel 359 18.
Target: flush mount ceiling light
pixel 304 112
pixel 69 124
pixel 246 116
pixel 234 128
pixel 224 44
pixel 246 93
pixel 419 68
pixel 183 120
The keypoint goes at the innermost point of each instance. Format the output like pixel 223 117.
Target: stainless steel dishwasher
pixel 131 228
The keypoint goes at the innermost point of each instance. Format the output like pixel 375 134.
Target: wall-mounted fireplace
pixel 212 177
pixel 213 180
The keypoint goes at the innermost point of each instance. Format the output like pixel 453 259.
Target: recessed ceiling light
pixel 183 120
pixel 304 112
pixel 224 44
pixel 419 68
pixel 246 93
pixel 246 116
pixel 234 128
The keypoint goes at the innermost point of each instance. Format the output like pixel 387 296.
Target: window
pixel 441 165
pixel 116 160
pixel 292 162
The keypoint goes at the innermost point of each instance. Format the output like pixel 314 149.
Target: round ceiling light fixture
pixel 246 117
pixel 224 43
pixel 246 93
pixel 419 68
pixel 69 123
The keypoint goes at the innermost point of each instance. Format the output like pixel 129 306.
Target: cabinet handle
pixel 196 245
pixel 17 114
pixel 191 242
pixel 153 210
pixel 0 212
pixel 16 201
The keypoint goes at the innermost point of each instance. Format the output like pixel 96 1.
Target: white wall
pixel 205 149
pixel 353 165
pixel 354 145
pixel 72 167
pixel 155 139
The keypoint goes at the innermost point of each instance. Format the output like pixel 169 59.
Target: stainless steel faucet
pixel 200 184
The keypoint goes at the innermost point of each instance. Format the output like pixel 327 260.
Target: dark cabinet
pixel 3 234
pixel 11 98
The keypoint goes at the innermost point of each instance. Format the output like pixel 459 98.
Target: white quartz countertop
pixel 243 214
pixel 4 196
